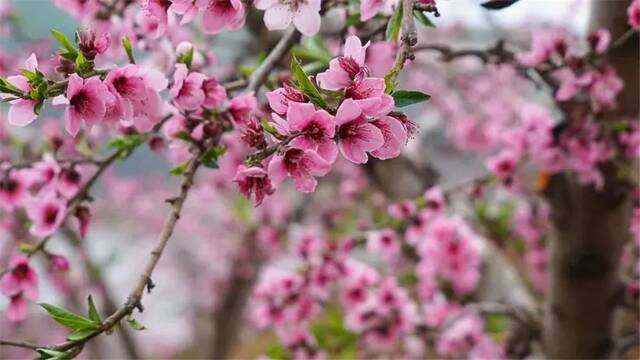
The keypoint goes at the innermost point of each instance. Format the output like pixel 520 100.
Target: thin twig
pixel 408 39
pixel 20 344
pixel 258 77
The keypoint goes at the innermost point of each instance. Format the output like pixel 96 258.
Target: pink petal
pixel 277 170
pixel 347 111
pixel 307 21
pixel 328 150
pixel 299 115
pixel 277 17
pixel 352 152
pixel 21 112
pixel 353 48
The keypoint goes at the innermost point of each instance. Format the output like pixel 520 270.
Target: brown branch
pixel 258 77
pixel 135 296
pixel 20 344
pixel 408 39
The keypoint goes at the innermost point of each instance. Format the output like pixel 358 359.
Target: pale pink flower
pixel 214 93
pixel 87 102
pixel 92 43
pixel 301 165
pixel 633 14
pixel 21 111
pixel 502 165
pixel 254 182
pixel 394 135
pixel 279 14
pixel 344 69
pixel 384 242
pixel 17 308
pixel 21 278
pixel 46 214
pixel 220 15
pixel 280 98
pixel 13 189
pixel 317 128
pixel 186 8
pixel 370 8
pixel 187 88
pixel 599 40
pixel 356 135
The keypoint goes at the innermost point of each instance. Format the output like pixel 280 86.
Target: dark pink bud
pixel 58 263
pixel 83 214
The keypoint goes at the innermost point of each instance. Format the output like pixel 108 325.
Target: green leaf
pixel 266 126
pixel 64 41
pixel 186 58
pixel 83 65
pixel 210 157
pixel 93 311
pixel 278 352
pixel 126 43
pixel 353 20
pixel 306 85
pixel 404 98
pixel 69 319
pixel 394 24
pixel 26 248
pixel 80 334
pixel 179 170
pixel 422 18
pixel 333 336
pixel 496 323
pixel 135 324
pixel 126 144
pixel 53 354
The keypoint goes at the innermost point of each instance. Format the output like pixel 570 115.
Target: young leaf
pixel 179 170
pixel 393 26
pixel 266 126
pixel 53 354
pixel 126 43
pixel 82 63
pixel 210 157
pixel 135 324
pixel 80 334
pixel 498 4
pixel 93 312
pixel 404 98
pixel 69 319
pixel 64 41
pixel 186 58
pixel 305 85
pixel 422 18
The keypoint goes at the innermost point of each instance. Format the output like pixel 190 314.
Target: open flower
pixel 255 182
pixel 21 112
pixel 280 98
pixel 301 165
pixel 187 88
pixel 221 15
pixel 394 135
pixel 317 128
pixel 46 214
pixel 344 69
pixel 21 279
pixel 87 102
pixel 305 14
pixel 356 135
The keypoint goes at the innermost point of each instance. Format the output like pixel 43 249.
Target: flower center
pixel 50 214
pixel 80 101
pixel 314 131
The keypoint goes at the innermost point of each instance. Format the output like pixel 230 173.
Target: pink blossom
pixel 384 242
pixel 545 42
pixel 605 88
pixel 87 102
pixel 79 8
pixel 301 165
pixel 255 182
pixel 214 93
pixel 92 43
pixel 58 263
pixel 220 15
pixel 305 14
pixel 155 12
pixel 21 111
pixel 461 336
pixel 369 8
pixel 394 134
pixel 242 108
pixel 21 279
pixel 402 210
pixel 370 96
pixel 633 14
pixel 186 8
pixel 344 69
pixel 46 215
pixel 356 135
pixel 502 165
pixel 599 40
pixel 280 98
pixel 68 182
pixel 187 88
pixel 317 129
pixel 13 190
pixel 380 58
pixel 17 308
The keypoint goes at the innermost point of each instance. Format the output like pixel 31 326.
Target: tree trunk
pixel 590 230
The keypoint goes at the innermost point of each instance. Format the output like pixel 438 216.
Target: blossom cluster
pixel 307 139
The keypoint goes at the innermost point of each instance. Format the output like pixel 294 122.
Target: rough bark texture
pixel 590 229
